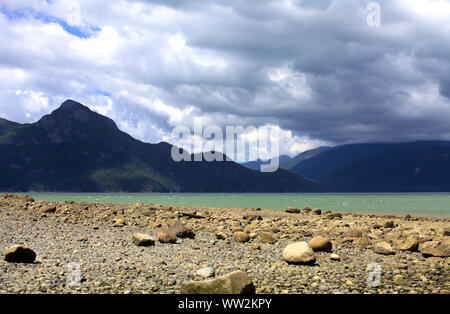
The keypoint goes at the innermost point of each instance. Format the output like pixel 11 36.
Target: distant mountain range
pixel 256 164
pixel 75 149
pixel 422 166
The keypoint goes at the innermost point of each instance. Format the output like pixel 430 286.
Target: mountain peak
pixel 72 105
pixel 73 121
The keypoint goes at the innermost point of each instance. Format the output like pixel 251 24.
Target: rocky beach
pixel 148 248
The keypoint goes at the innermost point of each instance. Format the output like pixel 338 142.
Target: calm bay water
pixel 411 203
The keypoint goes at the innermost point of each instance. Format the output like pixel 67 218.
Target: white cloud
pixel 314 69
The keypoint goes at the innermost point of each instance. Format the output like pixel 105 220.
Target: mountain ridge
pixel 381 167
pixel 77 150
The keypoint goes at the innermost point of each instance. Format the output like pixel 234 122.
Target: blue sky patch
pixel 85 32
pixel 102 92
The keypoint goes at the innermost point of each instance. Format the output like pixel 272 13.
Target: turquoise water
pixel 411 203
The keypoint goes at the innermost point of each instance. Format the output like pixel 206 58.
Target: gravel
pixel 105 260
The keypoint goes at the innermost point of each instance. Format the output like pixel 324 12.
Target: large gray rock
pixel 19 254
pixel 236 282
pixel 299 253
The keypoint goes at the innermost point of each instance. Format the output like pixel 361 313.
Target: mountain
pixel 292 162
pixel 76 149
pixel 422 166
pixel 256 164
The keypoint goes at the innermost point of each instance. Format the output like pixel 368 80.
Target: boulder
pixel 316 211
pixel 267 237
pixel 166 236
pixel 241 237
pixel 255 246
pixel 299 253
pixel 141 239
pixel 306 210
pixel 20 254
pixel 319 244
pixel 236 282
pixel 384 248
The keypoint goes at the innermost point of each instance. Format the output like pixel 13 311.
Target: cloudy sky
pixel 317 69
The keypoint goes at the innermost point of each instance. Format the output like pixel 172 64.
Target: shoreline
pixel 146 198
pixel 98 238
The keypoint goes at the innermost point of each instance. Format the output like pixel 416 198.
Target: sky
pixel 323 72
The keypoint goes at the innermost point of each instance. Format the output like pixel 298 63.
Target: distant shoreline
pixel 362 203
